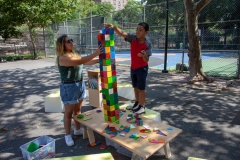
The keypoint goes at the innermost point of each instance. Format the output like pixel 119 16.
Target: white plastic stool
pixel 53 103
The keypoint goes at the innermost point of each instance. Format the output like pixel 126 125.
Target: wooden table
pixel 141 147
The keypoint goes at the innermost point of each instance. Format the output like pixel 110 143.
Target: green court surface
pixel 220 67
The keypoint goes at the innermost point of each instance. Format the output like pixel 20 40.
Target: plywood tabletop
pixel 141 147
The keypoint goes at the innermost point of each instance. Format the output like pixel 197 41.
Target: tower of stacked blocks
pixel 108 75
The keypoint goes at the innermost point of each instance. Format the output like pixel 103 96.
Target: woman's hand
pixel 99 50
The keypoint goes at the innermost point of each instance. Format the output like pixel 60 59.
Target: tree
pixel 193 8
pixel 132 12
pixel 33 13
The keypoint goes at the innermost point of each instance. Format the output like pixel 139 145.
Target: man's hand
pixel 142 54
pixel 108 25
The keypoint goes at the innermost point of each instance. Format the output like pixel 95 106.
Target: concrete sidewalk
pixel 208 114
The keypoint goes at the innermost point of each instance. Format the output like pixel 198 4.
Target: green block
pixel 111 97
pixel 117 122
pixel 108 62
pixel 116 106
pixel 104 90
pixel 111 43
pixel 107 43
pixel 113 119
pixel 32 147
pixel 114 78
pixel 115 101
pixel 110 85
pixel 110 80
pixel 111 36
pixel 107 96
pixel 112 102
pixel 106 117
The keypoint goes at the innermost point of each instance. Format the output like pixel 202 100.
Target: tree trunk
pixel 30 28
pixel 195 57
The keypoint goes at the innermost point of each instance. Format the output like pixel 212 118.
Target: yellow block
pixel 104 101
pixel 105 111
pixel 102 156
pixel 108 68
pixel 109 74
pixel 111 108
pixel 105 85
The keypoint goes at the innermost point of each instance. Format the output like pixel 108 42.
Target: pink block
pixel 104 74
pixel 102 84
pixel 116 113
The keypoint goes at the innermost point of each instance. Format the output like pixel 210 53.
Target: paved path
pixel 210 120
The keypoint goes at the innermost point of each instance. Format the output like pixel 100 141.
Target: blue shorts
pixel 72 93
pixel 139 77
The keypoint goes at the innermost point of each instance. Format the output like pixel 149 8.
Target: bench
pixel 101 156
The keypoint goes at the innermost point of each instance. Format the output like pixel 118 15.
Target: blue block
pixel 100 61
pixel 115 101
pixel 99 43
pixel 101 67
pixel 111 31
pixel 113 67
pixel 106 30
pixel 112 49
pixel 112 55
pixel 103 50
pixel 113 61
pixel 104 96
pixel 103 31
pixel 115 95
pixel 108 102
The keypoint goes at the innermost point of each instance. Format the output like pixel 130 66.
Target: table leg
pixel 85 135
pixel 167 150
pixel 136 157
pixel 90 135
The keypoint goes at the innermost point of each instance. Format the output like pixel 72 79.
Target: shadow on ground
pixel 210 121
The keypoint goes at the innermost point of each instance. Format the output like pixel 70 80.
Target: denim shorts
pixel 72 93
pixel 139 77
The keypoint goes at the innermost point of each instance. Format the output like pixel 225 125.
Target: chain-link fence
pixel 219 31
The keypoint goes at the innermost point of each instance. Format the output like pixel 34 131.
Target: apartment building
pixel 117 4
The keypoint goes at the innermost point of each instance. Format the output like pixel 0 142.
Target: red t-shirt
pixel 136 47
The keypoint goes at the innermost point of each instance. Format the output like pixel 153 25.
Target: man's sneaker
pixel 139 110
pixel 135 106
pixel 68 140
pixel 78 132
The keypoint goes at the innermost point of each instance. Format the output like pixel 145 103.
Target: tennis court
pixel 222 64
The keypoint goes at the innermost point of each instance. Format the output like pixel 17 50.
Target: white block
pixel 53 103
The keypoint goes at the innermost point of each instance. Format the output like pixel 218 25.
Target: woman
pixel 72 88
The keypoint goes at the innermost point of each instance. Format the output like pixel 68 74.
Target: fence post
pixel 144 8
pixel 238 63
pixel 67 26
pixel 91 31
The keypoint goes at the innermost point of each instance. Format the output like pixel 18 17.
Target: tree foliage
pixel 33 13
pixel 132 12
